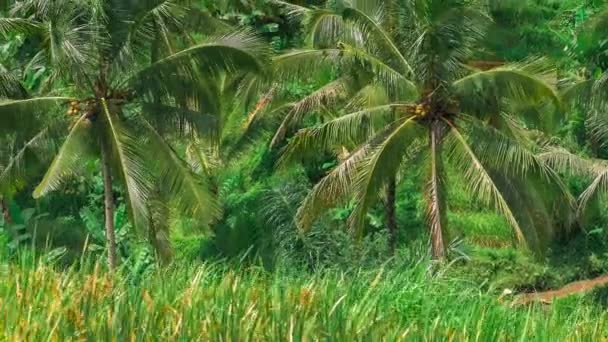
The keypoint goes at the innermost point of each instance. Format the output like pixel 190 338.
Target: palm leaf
pixel 480 182
pixel 129 160
pixel 18 166
pixel 569 163
pixel 597 189
pixel 566 162
pixel 240 51
pixel 159 227
pixel 137 28
pixel 10 26
pixel 66 33
pixel 10 86
pixel 304 63
pixel 380 37
pixel 189 191
pixel 394 81
pixel 330 190
pixel 580 93
pixel 68 160
pixel 363 170
pixel 202 160
pixel 326 96
pixel 355 127
pixel 379 167
pixel 17 115
pixel 325 28
pixel 538 198
pixel 490 92
pixel 502 151
pixel 177 119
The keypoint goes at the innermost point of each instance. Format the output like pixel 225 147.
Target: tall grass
pixel 212 302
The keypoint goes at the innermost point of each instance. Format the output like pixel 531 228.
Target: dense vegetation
pixel 279 170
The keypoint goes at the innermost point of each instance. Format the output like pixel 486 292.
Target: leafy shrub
pixel 499 269
pixel 599 296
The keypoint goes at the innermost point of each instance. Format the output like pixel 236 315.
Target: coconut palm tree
pixel 128 73
pixel 408 99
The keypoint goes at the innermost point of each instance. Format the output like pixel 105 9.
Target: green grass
pixel 213 302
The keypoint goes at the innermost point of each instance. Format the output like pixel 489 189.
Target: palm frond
pixel 18 166
pixel 562 160
pixel 580 92
pixel 536 195
pixel 240 51
pixel 66 34
pixel 304 63
pixel 263 103
pixel 17 115
pixel 379 167
pixel 189 191
pixel 538 198
pixel 294 10
pixel 10 26
pixel 325 28
pixel 40 8
pixel 280 204
pixel 138 28
pixel 380 37
pixel 202 159
pixel 510 87
pixel 362 173
pixel 499 150
pixel 600 91
pixel 129 160
pixel 330 190
pixel 350 128
pixel 443 37
pixel 597 189
pixel 566 162
pixel 326 96
pixel 371 95
pixel 68 160
pixel 177 119
pixel 10 86
pixel 159 227
pixel 480 182
pixel 395 82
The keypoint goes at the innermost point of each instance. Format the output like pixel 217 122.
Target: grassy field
pixel 210 302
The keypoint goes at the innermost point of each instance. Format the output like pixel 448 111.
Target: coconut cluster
pixel 74 108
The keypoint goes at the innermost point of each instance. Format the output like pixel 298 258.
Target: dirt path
pixel 572 288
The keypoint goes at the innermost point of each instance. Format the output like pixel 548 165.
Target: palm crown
pixel 410 99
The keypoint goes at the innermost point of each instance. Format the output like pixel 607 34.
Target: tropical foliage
pixel 143 75
pixel 413 98
pixel 310 169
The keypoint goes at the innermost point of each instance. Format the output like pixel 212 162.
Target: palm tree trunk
pixel 435 200
pixel 109 206
pixel 391 221
pixel 8 218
